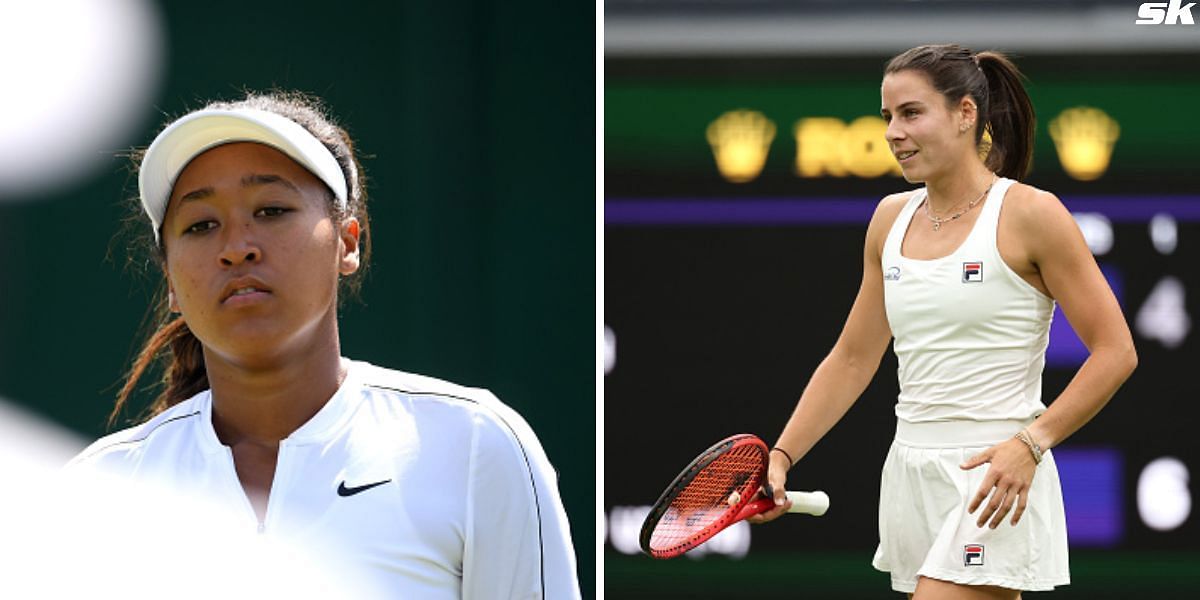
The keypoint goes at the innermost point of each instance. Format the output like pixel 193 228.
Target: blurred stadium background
pixel 477 121
pixel 744 154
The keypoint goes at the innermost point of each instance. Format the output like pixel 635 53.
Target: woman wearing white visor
pixel 432 490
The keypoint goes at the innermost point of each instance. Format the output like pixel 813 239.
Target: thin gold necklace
pixel 937 221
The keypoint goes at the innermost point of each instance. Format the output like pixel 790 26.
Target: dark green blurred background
pixel 478 123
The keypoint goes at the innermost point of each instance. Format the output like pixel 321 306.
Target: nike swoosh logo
pixel 344 491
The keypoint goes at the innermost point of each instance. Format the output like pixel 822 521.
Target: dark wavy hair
pixel 996 86
pixel 171 345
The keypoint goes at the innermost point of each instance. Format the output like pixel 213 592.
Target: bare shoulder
pixel 1040 224
pixel 885 214
pixel 890 206
pixel 1035 208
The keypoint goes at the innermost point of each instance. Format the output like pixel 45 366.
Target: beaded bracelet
pixel 1034 448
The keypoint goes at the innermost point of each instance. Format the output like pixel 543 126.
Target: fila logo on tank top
pixel 972 272
pixel 970 334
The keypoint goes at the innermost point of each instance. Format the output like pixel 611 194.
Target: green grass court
pixel 1094 575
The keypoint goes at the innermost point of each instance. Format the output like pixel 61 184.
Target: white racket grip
pixel 809 503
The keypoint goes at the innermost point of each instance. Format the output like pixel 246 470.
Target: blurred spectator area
pixel 833 27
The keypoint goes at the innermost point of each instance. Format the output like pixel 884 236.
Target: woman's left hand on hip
pixel 1007 481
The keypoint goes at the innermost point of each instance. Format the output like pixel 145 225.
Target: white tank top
pixel 970 334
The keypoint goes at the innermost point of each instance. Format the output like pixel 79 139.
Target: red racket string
pixel 705 500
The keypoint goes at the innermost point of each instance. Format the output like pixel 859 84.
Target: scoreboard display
pixel 737 199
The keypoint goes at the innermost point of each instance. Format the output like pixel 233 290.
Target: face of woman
pixel 923 133
pixel 252 254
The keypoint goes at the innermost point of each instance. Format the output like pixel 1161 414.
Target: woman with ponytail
pixel 256 214
pixel 964 274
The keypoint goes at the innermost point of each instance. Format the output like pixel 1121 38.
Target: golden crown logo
pixel 740 141
pixel 1084 138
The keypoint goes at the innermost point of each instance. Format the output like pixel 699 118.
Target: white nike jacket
pixel 426 489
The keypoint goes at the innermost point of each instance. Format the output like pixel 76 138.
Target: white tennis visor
pixel 203 130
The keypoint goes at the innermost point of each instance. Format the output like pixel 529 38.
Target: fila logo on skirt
pixel 973 555
pixel 972 272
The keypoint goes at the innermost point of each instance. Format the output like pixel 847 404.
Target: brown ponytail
pixel 184 374
pixel 996 86
pixel 1010 116
pixel 172 345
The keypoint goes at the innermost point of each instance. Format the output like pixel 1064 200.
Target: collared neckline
pixel 327 420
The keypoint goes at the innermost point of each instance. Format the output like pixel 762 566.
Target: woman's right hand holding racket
pixel 777 469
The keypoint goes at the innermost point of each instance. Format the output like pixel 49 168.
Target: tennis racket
pixel 714 492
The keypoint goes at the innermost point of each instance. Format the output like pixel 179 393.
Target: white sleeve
pixel 518 542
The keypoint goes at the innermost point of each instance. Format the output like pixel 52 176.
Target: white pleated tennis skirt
pixel 924 527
